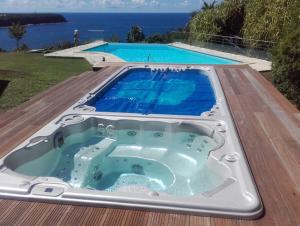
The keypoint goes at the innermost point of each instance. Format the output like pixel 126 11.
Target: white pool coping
pixel 95 58
pixel 255 63
pixel 92 57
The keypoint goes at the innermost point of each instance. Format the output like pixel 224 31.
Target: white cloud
pixel 185 2
pixel 96 5
pixel 37 4
pixel 103 3
pixel 138 1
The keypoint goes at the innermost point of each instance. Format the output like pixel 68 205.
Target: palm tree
pixel 17 31
pixel 135 34
pixel 207 6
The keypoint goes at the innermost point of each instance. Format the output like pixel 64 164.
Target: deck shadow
pixel 3 86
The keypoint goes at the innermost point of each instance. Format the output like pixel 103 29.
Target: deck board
pixel 268 126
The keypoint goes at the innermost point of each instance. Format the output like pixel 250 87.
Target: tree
pixel 270 20
pixel 205 22
pixel 286 66
pixel 156 38
pixel 226 18
pixel 17 32
pixel 207 6
pixel 233 15
pixel 135 34
pixel 113 38
pixel 76 37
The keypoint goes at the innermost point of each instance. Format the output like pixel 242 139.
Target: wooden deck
pixel 268 125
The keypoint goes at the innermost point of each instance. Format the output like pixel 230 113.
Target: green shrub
pixel 233 14
pixel 286 66
pixel 267 20
pixel 156 38
pixel 23 48
pixel 226 18
pixel 205 22
pixel 161 38
pixel 113 38
pixel 270 20
pixel 59 46
pixel 135 34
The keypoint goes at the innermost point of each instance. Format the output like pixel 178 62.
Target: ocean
pixel 39 36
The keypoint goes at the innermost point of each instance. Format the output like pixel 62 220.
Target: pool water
pixel 158 53
pixel 126 157
pixel 149 91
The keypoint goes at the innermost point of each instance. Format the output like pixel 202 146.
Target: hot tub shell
pixel 237 196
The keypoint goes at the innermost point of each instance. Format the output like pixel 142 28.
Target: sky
pixel 100 5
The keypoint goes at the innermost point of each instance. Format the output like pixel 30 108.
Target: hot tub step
pixel 88 159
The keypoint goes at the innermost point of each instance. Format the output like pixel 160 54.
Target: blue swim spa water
pixel 147 91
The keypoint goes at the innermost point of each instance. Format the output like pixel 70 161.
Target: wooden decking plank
pixel 263 152
pixel 98 216
pixel 287 119
pixel 25 211
pixel 237 89
pixel 51 92
pixel 235 79
pixel 37 97
pixel 8 207
pixel 116 217
pixel 66 90
pixel 27 118
pixel 285 147
pixel 76 217
pixel 15 215
pixel 288 106
pixel 85 218
pixel 31 106
pixel 8 142
pixel 57 101
pixel 254 140
pixel 37 214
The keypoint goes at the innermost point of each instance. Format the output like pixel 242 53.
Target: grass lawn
pixel 30 74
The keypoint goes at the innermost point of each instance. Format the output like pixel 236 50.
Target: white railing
pixel 234 44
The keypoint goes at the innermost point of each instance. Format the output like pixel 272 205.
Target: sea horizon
pixel 113 24
pixel 97 12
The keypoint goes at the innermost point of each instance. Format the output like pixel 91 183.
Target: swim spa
pixel 189 164
pixel 156 91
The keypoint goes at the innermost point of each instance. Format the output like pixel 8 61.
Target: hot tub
pixel 186 163
pixel 161 164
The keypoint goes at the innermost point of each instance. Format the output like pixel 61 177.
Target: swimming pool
pixel 158 53
pixel 193 164
pixel 157 91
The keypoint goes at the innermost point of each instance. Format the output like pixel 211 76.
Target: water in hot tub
pixel 160 161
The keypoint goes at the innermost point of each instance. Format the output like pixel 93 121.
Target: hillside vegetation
pixel 267 20
pixel 226 18
pixel 286 66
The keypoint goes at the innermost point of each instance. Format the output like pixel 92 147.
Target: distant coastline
pixel 6 19
pixel 43 35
